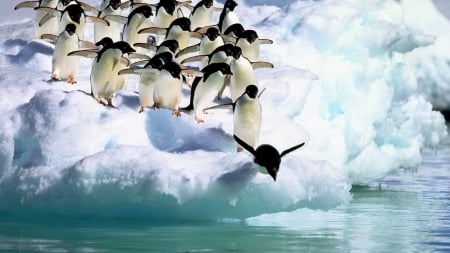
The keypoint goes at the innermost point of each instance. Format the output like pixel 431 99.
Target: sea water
pixel 406 212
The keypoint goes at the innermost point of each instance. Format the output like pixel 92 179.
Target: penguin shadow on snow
pixel 28 50
pixel 182 134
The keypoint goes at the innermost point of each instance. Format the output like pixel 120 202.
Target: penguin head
pixel 212 33
pixel 236 52
pixel 173 68
pixel 70 29
pixel 230 4
pixel 172 45
pixel 234 30
pixel 250 35
pixel 75 12
pixel 168 5
pixel 251 91
pixel 158 61
pixel 105 41
pixel 183 22
pixel 115 4
pixel 144 10
pixel 207 3
pixel 211 68
pixel 268 157
pixel 124 47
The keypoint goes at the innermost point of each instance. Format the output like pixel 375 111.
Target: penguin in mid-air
pixel 104 73
pixel 267 159
pixel 206 87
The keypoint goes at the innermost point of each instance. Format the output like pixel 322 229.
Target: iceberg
pixel 342 83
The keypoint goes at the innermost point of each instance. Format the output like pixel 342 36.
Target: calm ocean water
pixel 407 212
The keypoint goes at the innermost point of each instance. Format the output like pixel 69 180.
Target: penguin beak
pixel 273 174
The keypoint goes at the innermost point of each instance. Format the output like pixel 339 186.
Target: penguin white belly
pixel 220 57
pixel 207 47
pixel 163 19
pixel 102 30
pixel 65 20
pixel 130 32
pixel 49 27
pixel 251 51
pixel 63 66
pixel 243 75
pixel 102 74
pixel 205 92
pixel 167 93
pixel 146 88
pixel 182 37
pixel 202 17
pixel 230 19
pixel 247 120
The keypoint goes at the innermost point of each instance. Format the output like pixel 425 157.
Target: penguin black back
pixel 183 22
pixel 168 5
pixel 228 6
pixel 237 29
pixel 212 33
pixel 206 3
pixel 144 10
pixel 214 67
pixel 173 68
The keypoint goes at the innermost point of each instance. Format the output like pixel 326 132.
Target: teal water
pixel 407 212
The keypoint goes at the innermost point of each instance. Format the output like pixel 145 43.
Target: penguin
pixel 250 42
pixel 63 66
pixel 202 14
pixel 147 78
pixel 210 41
pixel 166 12
pixel 168 88
pixel 247 116
pixel 234 31
pixel 137 20
pixel 243 73
pixel 220 54
pixel 267 158
pixel 169 46
pixel 228 17
pixel 41 28
pixel 104 72
pixel 114 29
pixel 206 87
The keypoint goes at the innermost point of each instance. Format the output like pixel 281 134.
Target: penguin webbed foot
pixel 141 109
pixel 199 120
pixel 175 112
pixel 72 80
pixel 155 106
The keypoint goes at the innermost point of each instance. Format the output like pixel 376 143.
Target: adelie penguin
pixel 228 17
pixel 202 14
pixel 40 27
pixel 65 67
pixel 249 42
pixel 206 87
pixel 105 81
pixel 267 159
pixel 138 19
pixel 115 28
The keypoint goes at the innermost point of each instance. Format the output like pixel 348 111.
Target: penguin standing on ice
pixel 228 17
pixel 250 42
pixel 50 26
pixel 247 116
pixel 202 14
pixel 137 20
pixel 206 87
pixel 63 66
pixel 267 159
pixel 104 74
pixel 113 30
pixel 168 88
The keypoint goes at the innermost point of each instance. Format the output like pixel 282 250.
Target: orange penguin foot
pixel 141 109
pixel 72 80
pixel 155 106
pixel 176 112
pixel 199 120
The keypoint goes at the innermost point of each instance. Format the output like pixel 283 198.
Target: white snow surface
pixel 342 83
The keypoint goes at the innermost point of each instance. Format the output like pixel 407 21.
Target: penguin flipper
pixel 228 38
pixel 153 30
pixel 97 20
pixel 87 53
pixel 124 61
pixel 244 145
pixel 87 44
pixel 116 18
pixel 217 8
pixel 146 46
pixel 194 58
pixel 125 5
pixel 289 150
pixel 265 41
pixel 188 50
pixel 220 106
pixel 89 8
pixel 137 71
pixel 196 35
pixel 49 36
pixel 184 3
pixel 138 56
pixel 27 4
pixel 134 64
pixel 262 64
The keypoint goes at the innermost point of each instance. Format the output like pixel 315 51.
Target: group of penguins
pixel 156 41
